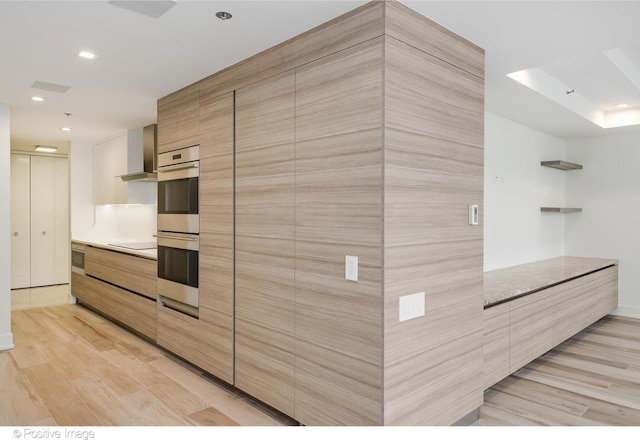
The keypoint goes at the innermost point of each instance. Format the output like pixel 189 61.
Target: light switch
pixel 411 306
pixel 473 215
pixel 351 268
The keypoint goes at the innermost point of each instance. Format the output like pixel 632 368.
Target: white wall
pixel 81 186
pixel 515 187
pixel 6 338
pixel 608 190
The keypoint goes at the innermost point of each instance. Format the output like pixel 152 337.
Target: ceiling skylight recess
pixel 561 84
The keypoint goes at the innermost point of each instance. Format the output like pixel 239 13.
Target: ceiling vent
pixel 50 87
pixel 153 9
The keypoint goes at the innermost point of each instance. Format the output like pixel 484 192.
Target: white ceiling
pixel 141 59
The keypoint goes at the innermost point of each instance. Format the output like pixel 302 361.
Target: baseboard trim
pixel 6 341
pixel 627 312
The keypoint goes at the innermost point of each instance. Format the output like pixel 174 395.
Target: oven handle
pixel 180 166
pixel 174 237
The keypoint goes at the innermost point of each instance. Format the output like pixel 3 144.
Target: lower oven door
pixel 178 268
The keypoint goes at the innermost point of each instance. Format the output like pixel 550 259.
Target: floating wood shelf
pixel 561 165
pixel 564 210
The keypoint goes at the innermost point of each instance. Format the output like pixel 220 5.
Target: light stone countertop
pixel 104 244
pixel 510 282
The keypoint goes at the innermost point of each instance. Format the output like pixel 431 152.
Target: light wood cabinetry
pixel 496 346
pixel 179 122
pixel 128 271
pixel 519 330
pixel 207 341
pixel 356 138
pixel 134 311
pixel 338 206
pixel 264 302
pixel 78 284
pixel 121 286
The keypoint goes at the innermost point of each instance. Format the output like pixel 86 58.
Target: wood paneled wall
pixel 338 326
pixel 433 170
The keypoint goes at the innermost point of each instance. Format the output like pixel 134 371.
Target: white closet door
pixel 42 221
pixel 61 215
pixel 20 221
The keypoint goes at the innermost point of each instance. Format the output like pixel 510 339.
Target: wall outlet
pixel 351 268
pixel 411 306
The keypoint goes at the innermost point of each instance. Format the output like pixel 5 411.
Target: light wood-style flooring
pixel 590 379
pixel 72 367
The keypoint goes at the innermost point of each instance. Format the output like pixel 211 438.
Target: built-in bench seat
pixel 531 308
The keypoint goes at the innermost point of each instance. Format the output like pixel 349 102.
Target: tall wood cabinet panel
pixel 217 231
pixel 433 171
pixel 264 294
pixel 338 212
pixel 179 122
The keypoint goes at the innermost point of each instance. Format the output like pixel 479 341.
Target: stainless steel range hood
pixel 149 152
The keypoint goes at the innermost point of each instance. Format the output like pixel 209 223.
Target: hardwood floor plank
pixel 211 417
pixel 79 369
pixel 594 376
pixel 19 401
pixel 554 398
pixel 240 410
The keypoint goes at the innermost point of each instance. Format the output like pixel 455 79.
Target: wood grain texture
pixel 531 325
pixel 418 31
pixel 134 311
pixel 433 171
pixel 178 122
pixel 93 372
pixel 338 212
pixel 496 343
pixel 359 25
pixel 214 333
pixel 137 274
pixel 590 379
pixel 264 344
pixel 77 284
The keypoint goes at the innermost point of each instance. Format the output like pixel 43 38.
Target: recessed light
pixel 87 55
pixel 65 129
pixel 45 149
pixel 622 105
pixel 222 15
pixel 37 98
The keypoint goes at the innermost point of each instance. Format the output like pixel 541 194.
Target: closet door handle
pixel 15 234
pixel 44 232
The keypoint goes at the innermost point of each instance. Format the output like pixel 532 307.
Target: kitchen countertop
pixel 510 282
pixel 104 244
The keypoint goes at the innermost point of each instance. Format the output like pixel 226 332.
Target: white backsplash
pixel 123 223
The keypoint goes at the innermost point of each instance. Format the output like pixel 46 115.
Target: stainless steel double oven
pixel 179 229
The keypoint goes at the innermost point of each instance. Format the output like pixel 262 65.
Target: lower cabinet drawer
pixel 204 342
pixel 78 283
pixel 134 311
pixel 496 343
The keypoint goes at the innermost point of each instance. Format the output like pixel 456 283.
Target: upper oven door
pixel 178 191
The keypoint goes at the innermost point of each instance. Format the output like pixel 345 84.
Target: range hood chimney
pixel 149 152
